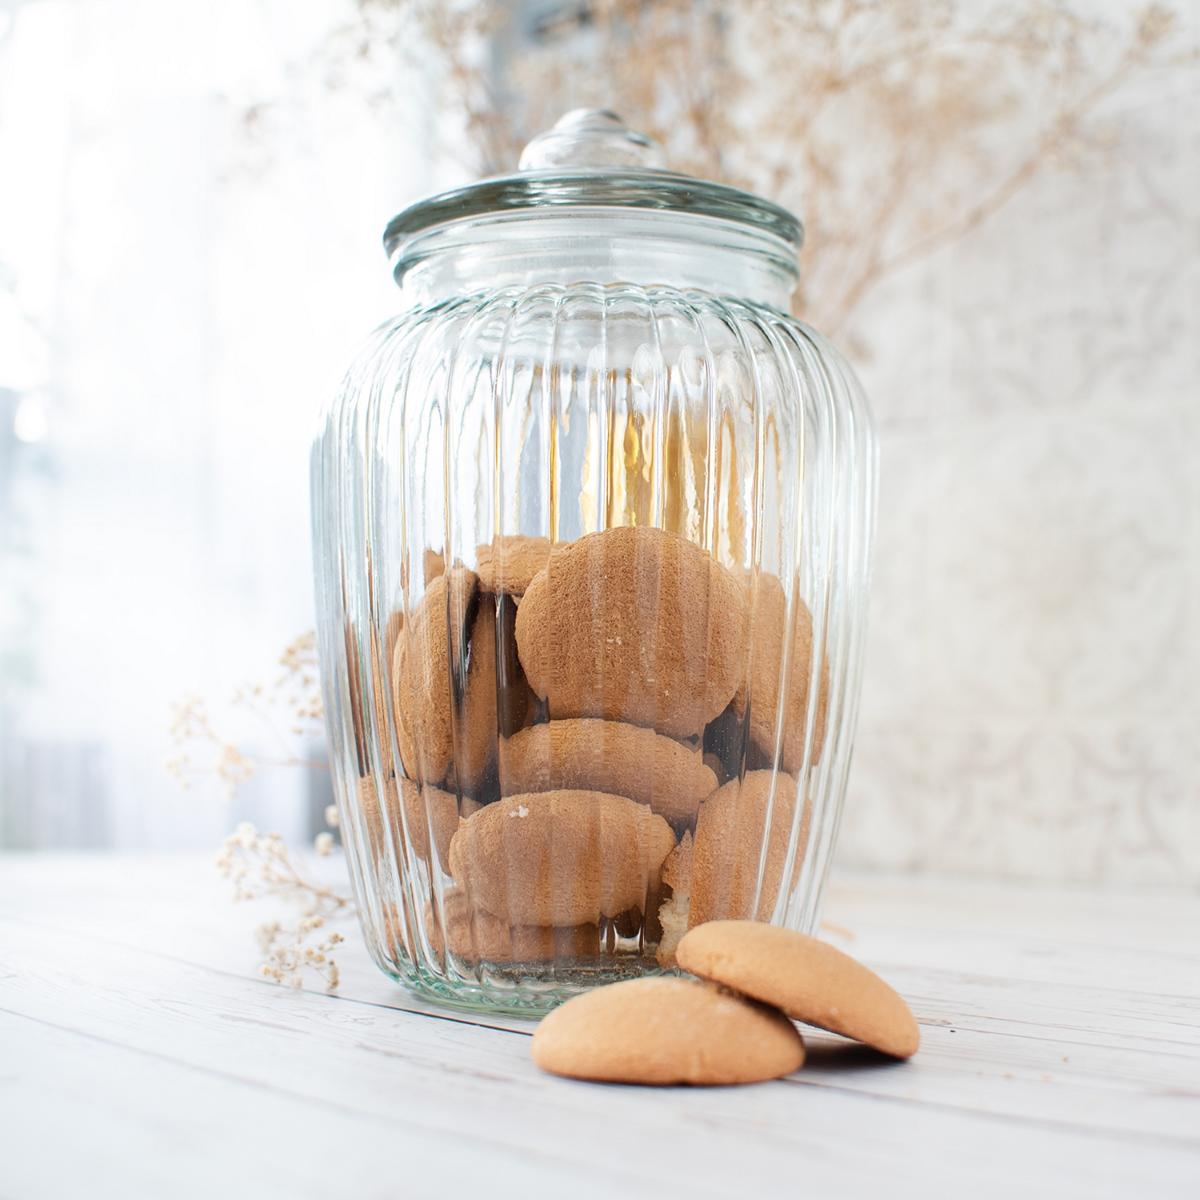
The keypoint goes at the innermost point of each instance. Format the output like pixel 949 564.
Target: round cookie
pixel 560 858
pixel 441 815
pixel 767 626
pixel 474 935
pixel 664 1031
pixel 421 675
pixel 607 756
pixel 510 561
pixel 634 624
pixel 728 844
pixel 810 980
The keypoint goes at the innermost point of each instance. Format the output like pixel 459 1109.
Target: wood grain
pixel 140 1056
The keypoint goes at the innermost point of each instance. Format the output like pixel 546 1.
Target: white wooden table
pixel 140 1056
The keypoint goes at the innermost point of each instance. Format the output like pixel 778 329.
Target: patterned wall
pixel 1032 698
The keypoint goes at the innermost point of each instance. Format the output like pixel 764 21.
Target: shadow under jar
pixel 592 521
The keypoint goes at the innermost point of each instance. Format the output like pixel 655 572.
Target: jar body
pixel 591 568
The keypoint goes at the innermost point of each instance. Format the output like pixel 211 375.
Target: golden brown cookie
pixel 495 698
pixel 673 911
pixel 421 675
pixel 810 980
pixel 767 627
pixel 371 716
pixel 607 756
pixel 510 561
pixel 494 702
pixel 665 1031
pixel 560 858
pixel 730 832
pixel 433 564
pixel 636 625
pixel 391 632
pixel 394 934
pixel 474 935
pixel 425 808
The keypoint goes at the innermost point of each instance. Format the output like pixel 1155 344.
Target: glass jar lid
pixel 591 159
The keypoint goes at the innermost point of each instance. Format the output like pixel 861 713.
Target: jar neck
pixel 602 245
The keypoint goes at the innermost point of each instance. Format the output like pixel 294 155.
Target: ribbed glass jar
pixel 592 521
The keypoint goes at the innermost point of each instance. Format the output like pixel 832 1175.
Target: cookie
pixel 425 808
pixel 510 561
pixel 433 564
pixel 608 756
pixel 368 716
pixel 767 627
pixel 422 666
pixel 496 699
pixel 560 858
pixel 810 980
pixel 673 911
pixel 392 629
pixel 474 935
pixel 728 842
pixel 636 625
pixel 663 1031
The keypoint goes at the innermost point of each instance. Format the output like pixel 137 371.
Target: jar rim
pixel 594 187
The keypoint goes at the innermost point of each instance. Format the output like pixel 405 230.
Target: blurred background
pixel 1003 214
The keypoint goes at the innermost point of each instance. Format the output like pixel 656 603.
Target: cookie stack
pixel 599 741
pixel 733 1023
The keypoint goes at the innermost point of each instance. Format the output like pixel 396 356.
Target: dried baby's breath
pixel 261 866
pixel 286 712
pixel 894 127
pixel 287 956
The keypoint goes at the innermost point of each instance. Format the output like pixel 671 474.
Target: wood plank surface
pixel 140 1055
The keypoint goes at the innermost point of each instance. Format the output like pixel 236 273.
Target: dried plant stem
pixel 261 866
pixel 1064 131
pixel 776 96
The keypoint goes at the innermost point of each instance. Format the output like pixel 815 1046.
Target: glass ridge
pixel 651 191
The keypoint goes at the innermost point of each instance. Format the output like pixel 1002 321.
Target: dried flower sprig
pixel 288 708
pixel 895 127
pixel 261 866
pixel 286 957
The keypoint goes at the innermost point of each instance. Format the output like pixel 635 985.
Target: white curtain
pixel 191 203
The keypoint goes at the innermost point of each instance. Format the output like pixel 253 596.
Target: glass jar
pixel 592 520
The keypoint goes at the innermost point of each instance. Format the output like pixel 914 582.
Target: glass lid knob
pixel 591 137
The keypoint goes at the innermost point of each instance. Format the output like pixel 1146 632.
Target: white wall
pixel 1031 704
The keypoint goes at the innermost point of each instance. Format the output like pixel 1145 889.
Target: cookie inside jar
pixel 569 714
